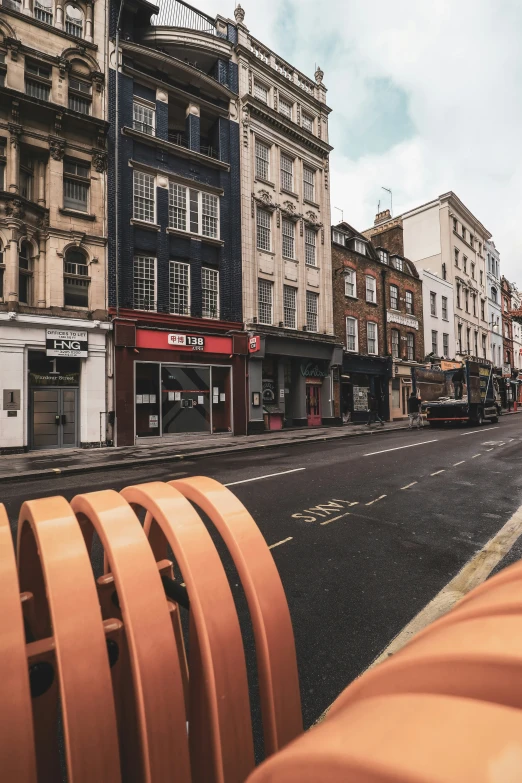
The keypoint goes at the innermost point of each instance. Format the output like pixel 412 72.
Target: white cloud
pixel 459 66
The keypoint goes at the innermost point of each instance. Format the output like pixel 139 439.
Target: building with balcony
pixel 175 274
pixel 53 319
pixel 287 290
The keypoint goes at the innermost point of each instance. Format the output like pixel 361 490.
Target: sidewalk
pixel 38 464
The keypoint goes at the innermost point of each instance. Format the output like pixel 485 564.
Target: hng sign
pixel 64 342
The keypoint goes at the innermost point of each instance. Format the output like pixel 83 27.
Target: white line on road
pixel 489 449
pixel 462 461
pixel 475 456
pixel 437 472
pixel 397 448
pixel 334 518
pixel 474 431
pixel 410 485
pixel 281 542
pixel 258 478
pixel 376 499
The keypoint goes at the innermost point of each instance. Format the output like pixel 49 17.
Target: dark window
pixel 410 342
pixel 409 302
pixel 76 279
pixel 394 297
pixel 76 183
pixel 395 343
pixel 25 273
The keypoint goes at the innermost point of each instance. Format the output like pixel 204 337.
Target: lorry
pixel 456 392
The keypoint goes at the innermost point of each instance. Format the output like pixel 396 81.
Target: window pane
pixel 371 333
pixel 75 292
pixel 209 209
pixel 43 11
pixel 144 196
pixel 288 239
pixel 78 103
pixel 307 122
pixel 351 334
pixel 194 211
pixel 370 289
pixel 261 92
pixel 210 292
pixel 263 229
pixel 410 342
pixel 262 160
pixel 289 307
pixel 74 21
pixel 177 206
pixel 285 108
pixel 37 90
pixel 395 343
pixel 144 283
pixel 179 290
pixel 308 180
pixel 287 167
pixel 394 297
pixel 265 301
pixel 409 302
pixel 143 118
pixel 350 283
pixel 75 195
pixel 311 311
pixel 310 237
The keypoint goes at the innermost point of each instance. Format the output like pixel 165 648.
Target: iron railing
pixel 176 13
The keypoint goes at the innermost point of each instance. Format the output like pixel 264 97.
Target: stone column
pixel 14 186
pixel 192 127
pixel 42 259
pixel 27 7
pixel 11 271
pixel 40 173
pixel 88 23
pixel 58 22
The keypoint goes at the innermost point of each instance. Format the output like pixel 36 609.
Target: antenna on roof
pixel 378 206
pixel 388 190
pixel 342 213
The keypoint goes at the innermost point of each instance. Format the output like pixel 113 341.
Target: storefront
pixel 170 383
pixel 401 385
pixel 361 376
pixel 291 383
pixel 53 379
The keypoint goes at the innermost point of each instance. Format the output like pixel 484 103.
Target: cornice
pixel 289 128
pixel 48 28
pixel 176 149
pixel 190 97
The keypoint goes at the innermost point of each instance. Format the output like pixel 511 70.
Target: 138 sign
pixel 65 342
pixel 196 343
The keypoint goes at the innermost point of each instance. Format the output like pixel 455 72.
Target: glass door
pixel 185 398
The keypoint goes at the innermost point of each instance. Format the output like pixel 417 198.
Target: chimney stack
pixel 382 217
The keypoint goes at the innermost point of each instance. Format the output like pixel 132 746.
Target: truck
pixel 457 392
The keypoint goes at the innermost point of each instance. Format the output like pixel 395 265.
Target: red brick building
pixel 377 298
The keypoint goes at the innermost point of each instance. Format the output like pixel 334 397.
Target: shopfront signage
pixel 254 344
pixel 65 342
pixel 404 320
pixel 168 341
pixel 313 370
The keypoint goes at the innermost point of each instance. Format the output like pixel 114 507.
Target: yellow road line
pixel 327 522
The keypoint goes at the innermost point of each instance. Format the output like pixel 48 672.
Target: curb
pixel 98 466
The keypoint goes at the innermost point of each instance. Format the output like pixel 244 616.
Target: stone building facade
pixel 287 299
pixel 378 315
pixel 53 202
pixel 494 305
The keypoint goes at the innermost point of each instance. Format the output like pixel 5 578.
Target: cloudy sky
pixel 426 98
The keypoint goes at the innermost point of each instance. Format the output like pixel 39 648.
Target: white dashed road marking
pixel 437 472
pixel 475 456
pixel 258 478
pixel 462 461
pixel 398 448
pixel 410 485
pixel 333 519
pixel 376 499
pixel 281 542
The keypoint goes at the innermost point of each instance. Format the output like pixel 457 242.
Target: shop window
pixel 350 283
pixel 143 117
pixel 37 80
pixel 144 283
pixel 264 291
pixel 144 197
pixel 371 289
pixel 312 311
pixel 25 273
pixel 76 279
pixel 394 297
pixel 287 173
pixel 410 346
pixel 210 292
pixel 147 407
pixel 193 211
pixel 371 338
pixel 43 11
pixel 395 336
pixel 263 229
pixel 80 95
pixel 288 229
pixel 409 302
pixel 74 21
pixel 352 336
pixel 308 184
pixel 179 288
pixel 262 160
pixel 76 185
pixel 290 306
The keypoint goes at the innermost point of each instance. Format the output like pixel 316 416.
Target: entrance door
pixel 54 418
pixel 313 404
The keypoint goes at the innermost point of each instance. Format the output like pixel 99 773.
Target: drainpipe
pixel 384 314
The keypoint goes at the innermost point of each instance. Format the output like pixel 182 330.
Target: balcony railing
pixel 175 13
pixel 43 13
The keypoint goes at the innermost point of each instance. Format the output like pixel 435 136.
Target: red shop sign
pixel 254 344
pixel 170 341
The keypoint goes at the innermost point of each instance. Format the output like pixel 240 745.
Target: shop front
pixel 361 376
pixel 401 385
pixel 179 383
pixel 291 383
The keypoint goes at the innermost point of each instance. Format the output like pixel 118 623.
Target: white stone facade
pixel 438 315
pixel 494 309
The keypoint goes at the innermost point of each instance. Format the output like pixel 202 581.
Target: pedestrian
pixel 373 415
pixel 458 382
pixel 414 411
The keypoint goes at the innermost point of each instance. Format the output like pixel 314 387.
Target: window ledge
pixel 188 235
pixel 312 266
pixel 290 193
pixel 311 203
pixel 374 304
pixel 144 224
pixel 266 252
pixel 264 181
pixel 349 296
pixel 76 214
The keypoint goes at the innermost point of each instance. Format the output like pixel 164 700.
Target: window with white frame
pixel 444 307
pixel 76 185
pixel 308 183
pixel 143 118
pixel 144 283
pixel 337 237
pixel 263 218
pixel 307 122
pixel 395 336
pixel 312 311
pixel 287 172
pixel 202 215
pixel 371 338
pixel 79 96
pixel 261 91
pixel 433 303
pixel 350 283
pixel 285 107
pixel 290 306
pixel 74 21
pixel 398 263
pixel 434 342
pixel 394 297
pixel 410 346
pixel 310 240
pixel 445 344
pixel 179 288
pixel 210 292
pixel 409 302
pixel 383 255
pixel 262 160
pixel 371 289
pixel 359 247
pixel 288 228
pixel 264 301
pixel 352 337
pixel 144 197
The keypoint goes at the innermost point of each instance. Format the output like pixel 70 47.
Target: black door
pixel 54 418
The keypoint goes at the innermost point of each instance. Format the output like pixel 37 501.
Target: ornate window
pixel 74 20
pixel 75 279
pixel 25 273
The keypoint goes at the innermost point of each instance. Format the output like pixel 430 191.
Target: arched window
pixel 25 273
pixel 74 20
pixel 75 279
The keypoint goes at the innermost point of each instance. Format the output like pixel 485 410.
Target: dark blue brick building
pixel 175 280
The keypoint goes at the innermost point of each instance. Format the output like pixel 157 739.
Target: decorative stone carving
pixel 99 160
pixel 326 172
pixel 319 75
pixel 250 79
pixel 15 209
pixel 264 199
pixel 63 66
pixel 289 206
pixel 278 218
pixel 15 133
pixel 43 221
pixel 239 14
pixel 14 46
pixel 56 147
pixel 312 217
pixel 97 80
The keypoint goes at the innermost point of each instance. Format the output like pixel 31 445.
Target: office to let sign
pixel 65 342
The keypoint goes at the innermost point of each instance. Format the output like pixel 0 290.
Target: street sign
pixel 66 342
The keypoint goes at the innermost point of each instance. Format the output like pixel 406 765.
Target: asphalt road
pixel 367 529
